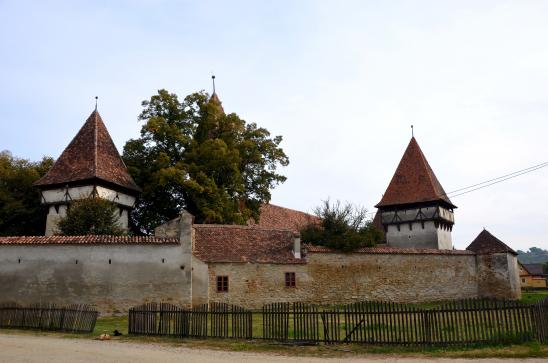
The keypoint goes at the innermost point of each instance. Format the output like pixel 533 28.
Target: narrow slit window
pixel 290 280
pixel 222 283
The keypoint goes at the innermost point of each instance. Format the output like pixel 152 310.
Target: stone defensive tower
pixel 90 166
pixel 415 211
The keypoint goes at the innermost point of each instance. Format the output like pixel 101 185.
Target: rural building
pixel 532 276
pixel 187 264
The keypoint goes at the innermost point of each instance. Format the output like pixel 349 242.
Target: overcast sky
pixel 342 81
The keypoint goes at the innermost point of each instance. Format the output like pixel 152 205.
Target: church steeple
pixel 90 166
pixel 415 210
pixel 214 99
pixel 414 181
pixel 91 155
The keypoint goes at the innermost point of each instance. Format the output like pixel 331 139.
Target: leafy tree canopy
pixel 95 216
pixel 20 209
pixel 192 155
pixel 342 227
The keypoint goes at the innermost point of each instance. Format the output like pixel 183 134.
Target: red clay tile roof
pixel 414 181
pixel 90 155
pixel 273 216
pixel 390 250
pixel 486 243
pixel 87 240
pixel 228 243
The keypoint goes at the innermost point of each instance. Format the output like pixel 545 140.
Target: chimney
pixel 297 245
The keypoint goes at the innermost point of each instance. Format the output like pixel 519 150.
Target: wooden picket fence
pixel 215 320
pixel 463 322
pixel 72 318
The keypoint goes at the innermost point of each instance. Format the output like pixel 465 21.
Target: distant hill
pixel 534 255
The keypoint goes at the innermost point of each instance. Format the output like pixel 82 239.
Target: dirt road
pixel 23 348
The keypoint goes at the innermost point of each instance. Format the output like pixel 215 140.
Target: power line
pixel 499 180
pixel 519 172
pixel 492 181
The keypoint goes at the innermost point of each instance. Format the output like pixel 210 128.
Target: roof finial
pixel 412 133
pixel 96 102
pixel 213 78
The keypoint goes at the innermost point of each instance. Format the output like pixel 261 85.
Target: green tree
pixel 20 210
pixel 341 227
pixel 192 155
pixel 95 216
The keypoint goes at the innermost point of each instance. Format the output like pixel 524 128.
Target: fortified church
pixel 188 264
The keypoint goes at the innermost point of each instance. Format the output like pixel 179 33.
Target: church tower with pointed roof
pixel 90 166
pixel 415 210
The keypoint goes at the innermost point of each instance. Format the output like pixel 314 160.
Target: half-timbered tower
pixel 415 210
pixel 90 166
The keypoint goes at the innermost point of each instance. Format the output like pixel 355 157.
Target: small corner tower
pixel 415 211
pixel 90 166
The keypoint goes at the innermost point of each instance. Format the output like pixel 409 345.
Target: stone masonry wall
pixel 181 227
pixel 498 276
pixel 252 285
pixel 391 277
pixel 200 282
pixel 330 278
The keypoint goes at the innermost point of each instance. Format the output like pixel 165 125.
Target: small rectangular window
pixel 222 283
pixel 290 279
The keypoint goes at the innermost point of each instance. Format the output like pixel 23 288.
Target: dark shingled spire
pixel 414 181
pixel 214 97
pixel 90 156
pixel 486 243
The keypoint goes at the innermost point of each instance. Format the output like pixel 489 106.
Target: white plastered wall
pixel 59 198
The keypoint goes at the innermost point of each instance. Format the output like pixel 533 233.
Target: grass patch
pixel 108 324
pixel 531 297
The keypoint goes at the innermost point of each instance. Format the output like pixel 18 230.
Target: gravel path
pixel 23 348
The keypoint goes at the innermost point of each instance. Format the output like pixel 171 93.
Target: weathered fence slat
pixel 73 318
pixel 217 320
pixel 465 322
